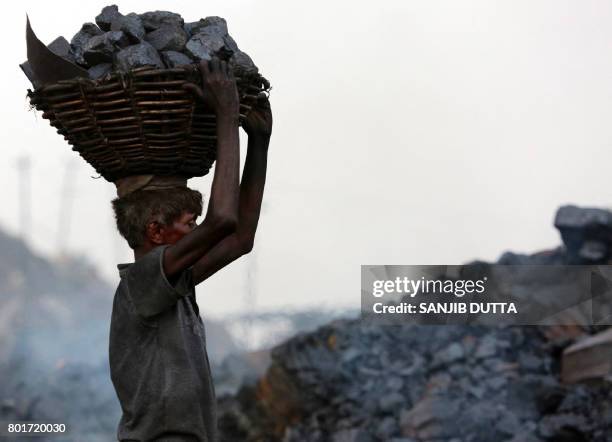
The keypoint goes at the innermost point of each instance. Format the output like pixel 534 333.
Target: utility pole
pixel 65 212
pixel 25 198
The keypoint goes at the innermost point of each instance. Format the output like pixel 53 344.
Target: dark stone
pixel 217 22
pixel 130 25
pixel 167 38
pixel 100 70
pixel 100 49
pixel 80 39
pixel 173 59
pixel 586 233
pixel 208 25
pixel 392 402
pixel 154 19
pixel 242 62
pixel 106 17
pixel 204 46
pixel 61 47
pixel 352 435
pixel 192 27
pixel 230 44
pixel 134 56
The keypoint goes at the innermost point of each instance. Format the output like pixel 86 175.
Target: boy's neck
pixel 143 250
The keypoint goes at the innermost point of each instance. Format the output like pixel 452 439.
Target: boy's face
pixel 174 232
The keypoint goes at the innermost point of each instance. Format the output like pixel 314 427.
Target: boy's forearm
pixel 222 215
pixel 252 189
pixel 240 242
pixel 224 194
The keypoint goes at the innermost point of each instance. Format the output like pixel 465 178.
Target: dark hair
pixel 136 210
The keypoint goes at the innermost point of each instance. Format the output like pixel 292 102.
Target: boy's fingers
pixel 204 67
pixel 224 68
pixel 215 65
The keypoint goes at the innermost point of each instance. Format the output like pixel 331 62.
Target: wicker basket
pixel 141 122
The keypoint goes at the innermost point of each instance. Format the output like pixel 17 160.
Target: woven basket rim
pixel 143 71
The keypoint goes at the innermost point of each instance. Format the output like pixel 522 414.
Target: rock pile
pixel 352 381
pixel 359 381
pixel 161 39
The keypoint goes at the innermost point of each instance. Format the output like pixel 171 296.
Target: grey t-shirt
pixel 158 360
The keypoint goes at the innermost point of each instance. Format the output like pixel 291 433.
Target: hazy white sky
pixel 406 132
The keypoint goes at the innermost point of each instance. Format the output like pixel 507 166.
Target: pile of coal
pixel 358 380
pixel 161 39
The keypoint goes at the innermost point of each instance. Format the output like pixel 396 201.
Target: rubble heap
pixel 358 381
pixel 161 39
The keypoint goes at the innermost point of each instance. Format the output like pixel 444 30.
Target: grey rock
pixel 586 233
pixel 561 426
pixel 230 44
pixel 100 49
pixel 486 348
pixel 167 38
pixel 191 28
pixel 454 352
pixel 218 22
pixel 525 436
pixel 387 428
pixel 61 47
pixel 131 25
pixel 352 435
pixel 242 62
pixel 529 362
pixel 204 46
pixel 394 383
pixel 152 20
pixel 173 59
pixel 390 402
pixel 508 423
pixel 80 39
pixel 100 70
pixel 432 417
pixel 105 18
pixel 351 354
pixel 496 382
pixel 134 56
pixel 211 25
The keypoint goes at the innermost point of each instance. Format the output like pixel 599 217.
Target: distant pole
pixel 25 198
pixel 65 213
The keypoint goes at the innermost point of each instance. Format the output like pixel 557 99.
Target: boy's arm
pixel 258 127
pixel 221 95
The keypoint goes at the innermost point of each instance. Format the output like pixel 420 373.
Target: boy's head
pixel 156 217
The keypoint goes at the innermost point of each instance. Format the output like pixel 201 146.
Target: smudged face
pixel 177 230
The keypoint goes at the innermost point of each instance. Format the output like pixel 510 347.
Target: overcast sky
pixel 407 132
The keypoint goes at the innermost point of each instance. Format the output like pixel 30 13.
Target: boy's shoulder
pixel 148 288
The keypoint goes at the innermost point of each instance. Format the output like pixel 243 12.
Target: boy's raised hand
pixel 259 120
pixel 219 92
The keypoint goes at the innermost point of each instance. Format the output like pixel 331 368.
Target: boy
pixel 158 359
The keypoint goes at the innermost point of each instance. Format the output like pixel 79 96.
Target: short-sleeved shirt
pixel 158 360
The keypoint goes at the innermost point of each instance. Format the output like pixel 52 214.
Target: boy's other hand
pixel 219 92
pixel 259 121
